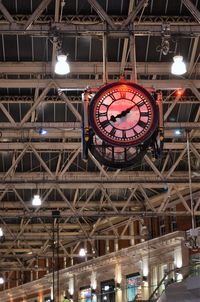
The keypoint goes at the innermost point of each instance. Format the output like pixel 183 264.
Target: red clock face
pixel 123 114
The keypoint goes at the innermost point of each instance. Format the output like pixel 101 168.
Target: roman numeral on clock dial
pixel 142 124
pixel 140 103
pixel 112 97
pixel 122 94
pixel 101 114
pixel 113 131
pixel 105 123
pixel 123 134
pixel 144 113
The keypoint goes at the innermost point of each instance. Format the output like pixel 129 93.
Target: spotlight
pixel 178 67
pixel 1 232
pixel 82 252
pixel 36 200
pixel 42 131
pixel 179 92
pixel 62 66
pixel 2 280
pixel 177 132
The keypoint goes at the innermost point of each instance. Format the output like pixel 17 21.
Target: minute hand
pixel 122 114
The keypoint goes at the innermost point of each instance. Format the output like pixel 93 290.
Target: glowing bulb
pixel 178 67
pixel 62 66
pixel 82 252
pixel 1 232
pixel 177 132
pixel 42 131
pixel 36 200
pixel 2 280
pixel 179 92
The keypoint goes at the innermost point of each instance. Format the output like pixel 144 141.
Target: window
pixel 108 291
pixel 85 294
pixel 197 218
pixel 133 283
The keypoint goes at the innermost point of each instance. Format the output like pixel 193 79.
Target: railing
pixel 184 272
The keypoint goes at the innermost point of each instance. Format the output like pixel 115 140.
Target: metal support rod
pixel 53 264
pixel 57 266
pixel 133 59
pixel 105 59
pixel 190 180
pixel 85 126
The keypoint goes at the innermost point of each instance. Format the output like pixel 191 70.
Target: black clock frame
pixel 99 152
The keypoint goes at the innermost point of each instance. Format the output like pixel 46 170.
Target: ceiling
pixel 94 201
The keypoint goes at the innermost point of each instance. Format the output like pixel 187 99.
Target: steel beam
pixel 79 84
pixel 73 180
pixel 145 68
pixel 138 29
pixel 95 214
pixel 70 126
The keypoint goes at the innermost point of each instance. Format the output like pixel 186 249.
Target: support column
pixel 47 266
pixel 145 273
pixel 132 233
pixel 93 284
pixel 116 246
pixel 107 247
pixel 71 288
pixel 118 281
pixel 65 262
pixel 71 259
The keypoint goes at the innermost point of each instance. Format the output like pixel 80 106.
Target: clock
pixel 123 114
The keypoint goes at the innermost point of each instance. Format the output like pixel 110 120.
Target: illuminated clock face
pixel 123 114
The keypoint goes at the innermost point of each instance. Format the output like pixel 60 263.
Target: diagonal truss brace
pixel 36 103
pixel 36 13
pixel 192 8
pixel 6 13
pixel 133 14
pixel 102 14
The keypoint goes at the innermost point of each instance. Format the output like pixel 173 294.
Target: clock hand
pixel 122 114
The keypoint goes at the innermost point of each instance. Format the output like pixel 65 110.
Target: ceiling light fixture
pixel 177 132
pixel 179 92
pixel 178 67
pixel 82 252
pixel 36 201
pixel 62 66
pixel 42 131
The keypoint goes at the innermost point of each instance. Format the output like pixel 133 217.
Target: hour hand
pixel 122 114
